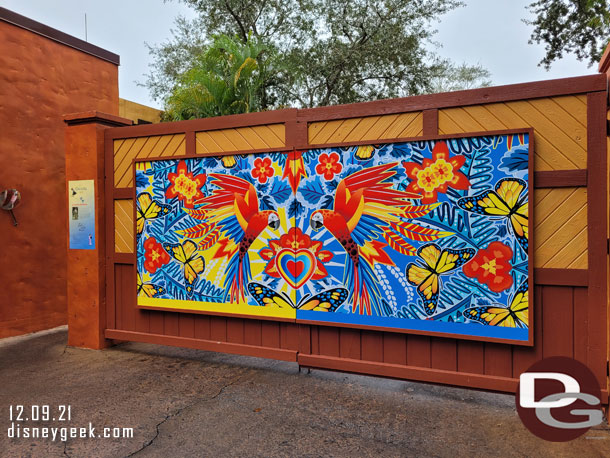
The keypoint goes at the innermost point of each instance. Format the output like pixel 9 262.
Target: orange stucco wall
pixel 40 80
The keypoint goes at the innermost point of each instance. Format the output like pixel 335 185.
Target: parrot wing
pixel 367 202
pixel 232 205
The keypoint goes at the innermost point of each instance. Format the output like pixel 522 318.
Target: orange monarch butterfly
pixel 436 262
pixel 506 201
pixel 192 264
pixel 147 208
pixel 516 315
pixel 326 301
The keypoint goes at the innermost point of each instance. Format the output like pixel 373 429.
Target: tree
pixel 581 27
pixel 229 77
pixel 327 51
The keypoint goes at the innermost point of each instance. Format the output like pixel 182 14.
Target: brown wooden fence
pixel 569 119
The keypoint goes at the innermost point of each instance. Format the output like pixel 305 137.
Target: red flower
pixel 492 267
pixel 328 165
pixel 185 186
pixel 262 169
pixel 295 240
pixel 154 255
pixel 437 174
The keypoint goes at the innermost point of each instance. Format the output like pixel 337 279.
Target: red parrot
pixel 366 207
pixel 232 211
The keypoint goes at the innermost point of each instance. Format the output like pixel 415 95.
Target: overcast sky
pixel 488 32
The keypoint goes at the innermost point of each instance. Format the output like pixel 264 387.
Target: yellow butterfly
pixel 436 262
pixel 506 201
pixel 192 264
pixel 148 289
pixel 326 301
pixel 147 208
pixel 514 316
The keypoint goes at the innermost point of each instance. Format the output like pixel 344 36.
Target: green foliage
pixel 317 52
pixel 581 27
pixel 229 77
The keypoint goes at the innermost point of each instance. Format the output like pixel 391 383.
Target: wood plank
pixel 171 324
pixel 360 132
pixel 208 345
pixel 557 328
pixel 344 129
pixel 349 343
pixel 470 357
pixel 206 144
pixel 498 360
pixel 581 324
pixel 270 334
pixel 462 118
pixel 186 324
pixel 402 123
pixel 235 330
pixel 276 134
pixel 394 348
pixel 253 333
pixel 375 132
pixel 415 128
pixel 524 357
pixel 156 322
pixel 597 164
pixel 430 122
pixel 289 336
pixel 128 296
pixel 560 178
pixel 218 328
pixel 176 147
pixel 443 354
pixel 304 338
pixel 569 252
pixel 329 341
pixel 372 345
pixel 561 277
pixel 202 327
pixel 325 133
pixel 418 351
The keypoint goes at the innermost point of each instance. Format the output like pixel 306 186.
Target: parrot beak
pixel 316 225
pixel 274 225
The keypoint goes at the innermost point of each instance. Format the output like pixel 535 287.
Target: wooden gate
pixel 569 120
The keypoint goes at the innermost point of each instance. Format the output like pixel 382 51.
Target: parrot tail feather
pixel 362 283
pixel 236 277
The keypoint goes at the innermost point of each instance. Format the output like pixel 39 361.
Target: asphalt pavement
pixel 182 402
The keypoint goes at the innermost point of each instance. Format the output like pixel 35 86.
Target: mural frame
pixel 287 150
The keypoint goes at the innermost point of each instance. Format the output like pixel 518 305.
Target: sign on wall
pixel 81 214
pixel 422 236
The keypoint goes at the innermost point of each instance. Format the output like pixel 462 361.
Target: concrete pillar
pixel 86 273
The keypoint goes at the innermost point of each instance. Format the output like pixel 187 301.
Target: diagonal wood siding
pixel 126 150
pixel 560 228
pixel 559 124
pixel 363 129
pixel 241 139
pixel 123 226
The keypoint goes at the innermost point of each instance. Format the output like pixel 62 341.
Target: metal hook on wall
pixel 9 199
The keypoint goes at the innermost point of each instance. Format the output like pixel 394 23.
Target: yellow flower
pixel 443 170
pixel 427 179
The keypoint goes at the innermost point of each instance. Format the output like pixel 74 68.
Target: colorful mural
pixel 429 236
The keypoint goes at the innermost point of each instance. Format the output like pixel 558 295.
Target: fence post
pixel 86 271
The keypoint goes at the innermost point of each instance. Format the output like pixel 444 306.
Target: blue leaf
pixel 266 203
pixel 280 190
pixel 295 208
pixel 313 191
pixel 141 179
pixel 515 159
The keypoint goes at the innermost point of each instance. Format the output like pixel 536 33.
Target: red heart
pixel 295 268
